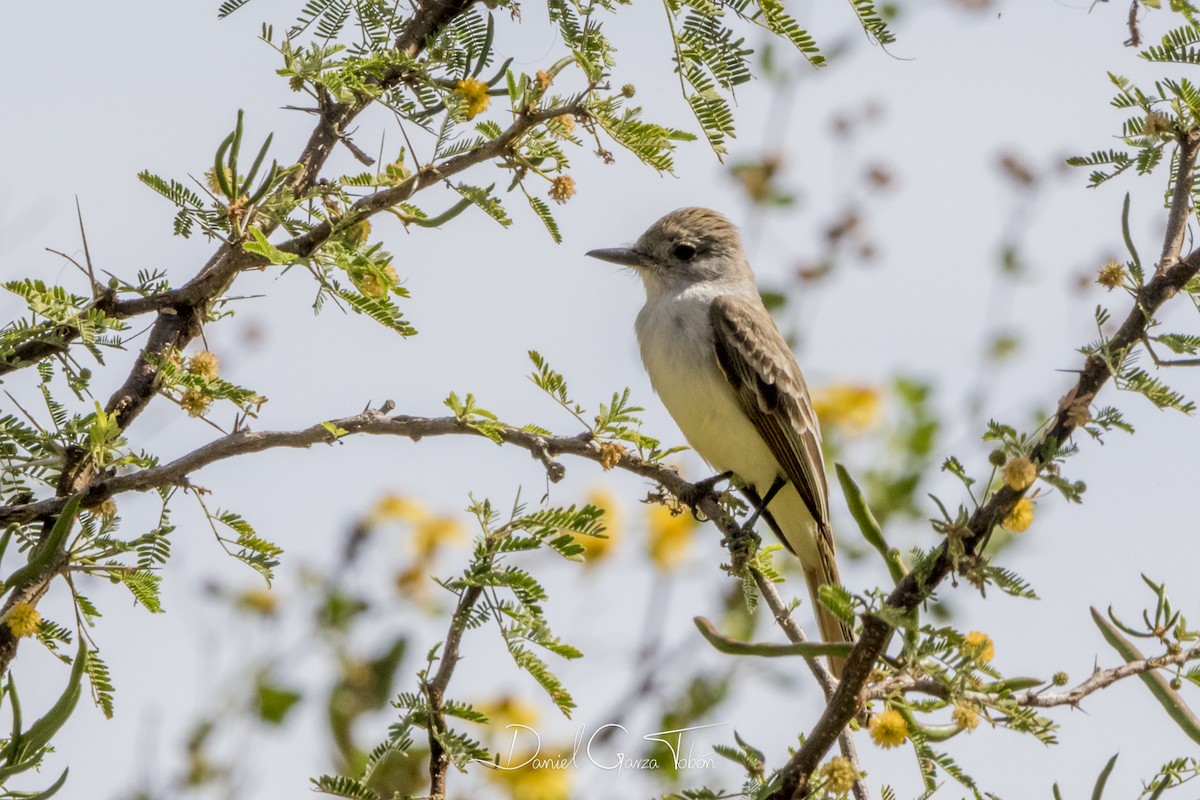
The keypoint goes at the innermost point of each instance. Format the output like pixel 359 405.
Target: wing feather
pixel 769 387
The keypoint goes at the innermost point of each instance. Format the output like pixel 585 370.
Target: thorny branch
pixel 181 312
pixel 1100 679
pixel 1171 276
pixel 435 688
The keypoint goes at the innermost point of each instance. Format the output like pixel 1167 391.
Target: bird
pixel 716 359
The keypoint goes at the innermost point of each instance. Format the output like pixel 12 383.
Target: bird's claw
pixel 741 546
pixel 701 489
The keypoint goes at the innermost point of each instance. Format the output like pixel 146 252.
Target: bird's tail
pixel 832 629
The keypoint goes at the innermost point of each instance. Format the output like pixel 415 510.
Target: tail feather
pixel 832 629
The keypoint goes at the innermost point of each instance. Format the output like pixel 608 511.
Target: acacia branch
pixel 918 586
pixel 435 689
pixel 377 422
pixel 1100 679
pixel 182 311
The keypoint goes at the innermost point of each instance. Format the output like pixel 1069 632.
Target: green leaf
pixel 260 246
pixel 734 647
pixel 1167 697
pixel 274 702
pixel 1102 779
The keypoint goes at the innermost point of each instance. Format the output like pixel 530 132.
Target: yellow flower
pixel 508 710
pixel 1158 125
pixel 965 716
pixel 372 284
pixel 670 536
pixel 888 728
pixel 1112 275
pixel 413 582
pixel 839 775
pixel 359 231
pixel 259 600
pixel 533 780
pixel 1021 517
pixel 211 177
pixel 204 364
pixel 543 80
pixel 978 645
pixel 195 403
pixel 1019 473
pixel 610 454
pixel 562 189
pixel 566 121
pixel 398 507
pixel 851 408
pixel 433 533
pixel 595 548
pixel 107 507
pixel 24 619
pixel 474 93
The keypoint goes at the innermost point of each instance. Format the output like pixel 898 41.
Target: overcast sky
pixel 105 91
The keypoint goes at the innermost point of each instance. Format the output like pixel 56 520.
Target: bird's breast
pixel 675 337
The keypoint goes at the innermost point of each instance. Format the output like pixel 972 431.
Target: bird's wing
pixel 770 389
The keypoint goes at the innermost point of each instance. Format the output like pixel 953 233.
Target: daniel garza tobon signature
pixel 527 743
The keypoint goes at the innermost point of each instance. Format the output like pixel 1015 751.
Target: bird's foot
pixel 742 547
pixel 702 489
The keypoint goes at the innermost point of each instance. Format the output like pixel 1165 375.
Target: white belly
pixel 685 374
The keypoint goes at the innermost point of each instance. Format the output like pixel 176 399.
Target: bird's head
pixel 688 246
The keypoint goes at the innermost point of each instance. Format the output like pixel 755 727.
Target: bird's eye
pixel 684 252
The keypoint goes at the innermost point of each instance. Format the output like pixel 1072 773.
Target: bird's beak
pixel 625 256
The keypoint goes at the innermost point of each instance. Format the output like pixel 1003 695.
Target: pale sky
pixel 111 91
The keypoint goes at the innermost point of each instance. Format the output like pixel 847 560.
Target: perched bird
pixel 730 381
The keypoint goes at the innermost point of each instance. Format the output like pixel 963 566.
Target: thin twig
pixel 917 587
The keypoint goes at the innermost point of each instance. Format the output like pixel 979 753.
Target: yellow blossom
pixel 413 582
pixel 433 533
pixel 107 507
pixel 399 507
pixel 474 93
pixel 851 408
pixel 528 778
pixel 372 284
pixel 1019 473
pixel 965 716
pixel 205 364
pixel 1112 275
pixel 359 231
pixel 839 775
pixel 1021 517
pixel 566 121
pixel 211 177
pixel 610 454
pixel 1158 125
pixel 562 189
pixel 888 728
pixel 260 600
pixel 543 79
pixel 508 710
pixel 670 536
pixel 195 403
pixel 978 645
pixel 595 548
pixel 24 619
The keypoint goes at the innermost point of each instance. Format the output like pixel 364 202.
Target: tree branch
pixel 435 689
pixel 1100 679
pixel 1181 201
pixel 182 312
pixel 919 586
